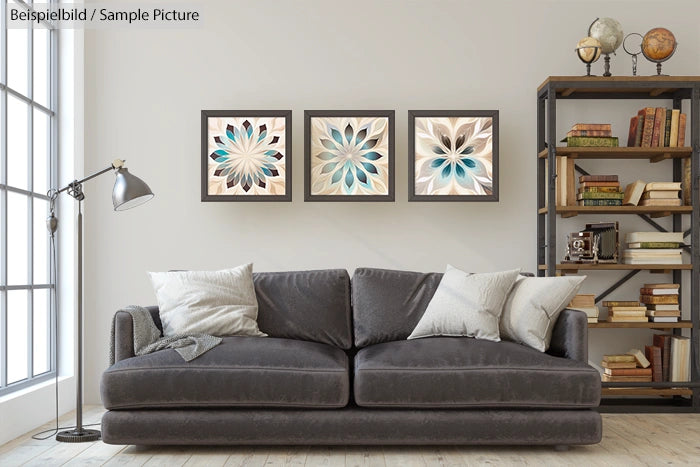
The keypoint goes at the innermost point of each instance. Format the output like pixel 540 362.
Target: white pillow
pixel 466 305
pixel 220 303
pixel 533 307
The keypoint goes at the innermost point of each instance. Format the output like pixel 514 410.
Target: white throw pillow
pixel 220 303
pixel 466 305
pixel 533 306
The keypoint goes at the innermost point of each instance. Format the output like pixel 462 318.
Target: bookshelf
pixel 626 397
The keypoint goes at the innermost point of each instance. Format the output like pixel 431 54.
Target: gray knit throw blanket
pixel 147 337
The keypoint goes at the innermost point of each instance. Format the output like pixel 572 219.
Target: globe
pixel 658 44
pixel 609 32
pixel 588 49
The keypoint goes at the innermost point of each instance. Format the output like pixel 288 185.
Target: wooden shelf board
pixel 617 267
pixel 653 154
pixel 653 85
pixel 647 325
pixel 646 392
pixel 653 211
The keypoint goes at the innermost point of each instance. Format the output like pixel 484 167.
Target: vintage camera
pixel 597 243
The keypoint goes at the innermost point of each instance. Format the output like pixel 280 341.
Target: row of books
pixel 667 359
pixel 591 135
pixel 653 248
pixel 639 193
pixel 655 127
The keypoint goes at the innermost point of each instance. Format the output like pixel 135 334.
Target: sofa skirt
pixel 351 426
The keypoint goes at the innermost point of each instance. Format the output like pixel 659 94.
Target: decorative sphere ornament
pixel 658 45
pixel 588 51
pixel 609 32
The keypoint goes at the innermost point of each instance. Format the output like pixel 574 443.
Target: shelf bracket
pixel 661 157
pixel 658 91
pixel 617 284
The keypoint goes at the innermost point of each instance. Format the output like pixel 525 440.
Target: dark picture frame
pixel 465 170
pixel 273 154
pixel 369 150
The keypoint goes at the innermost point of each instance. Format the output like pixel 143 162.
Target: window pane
pixel 17 59
pixel 41 65
pixel 17 239
pixel 16 335
pixel 17 147
pixel 42 333
pixel 41 242
pixel 41 152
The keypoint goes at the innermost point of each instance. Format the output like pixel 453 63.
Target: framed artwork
pixel 246 155
pixel 349 155
pixel 453 155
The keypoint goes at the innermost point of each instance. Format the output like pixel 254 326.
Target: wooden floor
pixel 627 440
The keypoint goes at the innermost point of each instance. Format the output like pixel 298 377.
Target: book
pixel 582 300
pixel 648 129
pixel 652 251
pixel 627 319
pixel 680 359
pixel 660 202
pixel 640 129
pixel 659 123
pixel 673 139
pixel 632 135
pixel 592 126
pixel 600 202
pixel 664 313
pixel 681 130
pixel 663 341
pixel 627 308
pixel 627 371
pixel 659 260
pixel 648 291
pixel 610 303
pixel 599 189
pixel 653 245
pixel 625 379
pixel 657 299
pixel 592 141
pixel 660 186
pixel 639 356
pixel 609 184
pixel 607 133
pixel 653 354
pixel 665 285
pixel 676 237
pixel 619 358
pixel 662 307
pixel 633 193
pixel 616 365
pixel 592 319
pixel 598 178
pixel 667 130
pixel 570 181
pixel 661 194
pixel 663 319
pixel 686 183
pixel 591 311
pixel 599 195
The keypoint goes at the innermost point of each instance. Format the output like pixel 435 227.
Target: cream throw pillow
pixel 220 303
pixel 466 305
pixel 533 306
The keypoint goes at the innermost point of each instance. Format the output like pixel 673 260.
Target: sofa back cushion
pixel 388 304
pixel 305 305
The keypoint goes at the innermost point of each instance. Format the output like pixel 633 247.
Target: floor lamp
pixel 129 191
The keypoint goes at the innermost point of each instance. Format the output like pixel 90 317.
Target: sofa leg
pixel 561 447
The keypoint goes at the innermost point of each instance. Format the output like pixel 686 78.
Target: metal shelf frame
pixel 677 89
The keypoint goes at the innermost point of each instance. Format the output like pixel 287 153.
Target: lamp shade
pixel 129 191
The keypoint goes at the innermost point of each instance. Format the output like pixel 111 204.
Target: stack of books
pixel 630 367
pixel 655 127
pixel 599 190
pixel 585 303
pixel 661 194
pixel 626 312
pixel 591 135
pixel 653 248
pixel 661 301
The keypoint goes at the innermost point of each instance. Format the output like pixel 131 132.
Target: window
pixel 27 171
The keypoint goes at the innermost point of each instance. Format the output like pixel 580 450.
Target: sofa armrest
pixel 124 333
pixel 570 336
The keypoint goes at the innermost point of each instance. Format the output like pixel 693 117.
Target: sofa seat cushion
pixel 241 371
pixel 461 372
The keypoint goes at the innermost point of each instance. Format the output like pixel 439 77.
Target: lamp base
pixel 78 436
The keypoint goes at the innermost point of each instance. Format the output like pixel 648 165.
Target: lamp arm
pixel 117 164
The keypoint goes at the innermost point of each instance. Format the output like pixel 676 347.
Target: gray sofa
pixel 337 369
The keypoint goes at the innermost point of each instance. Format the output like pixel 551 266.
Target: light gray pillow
pixel 220 303
pixel 533 306
pixel 466 305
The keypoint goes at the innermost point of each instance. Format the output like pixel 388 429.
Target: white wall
pixel 145 89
